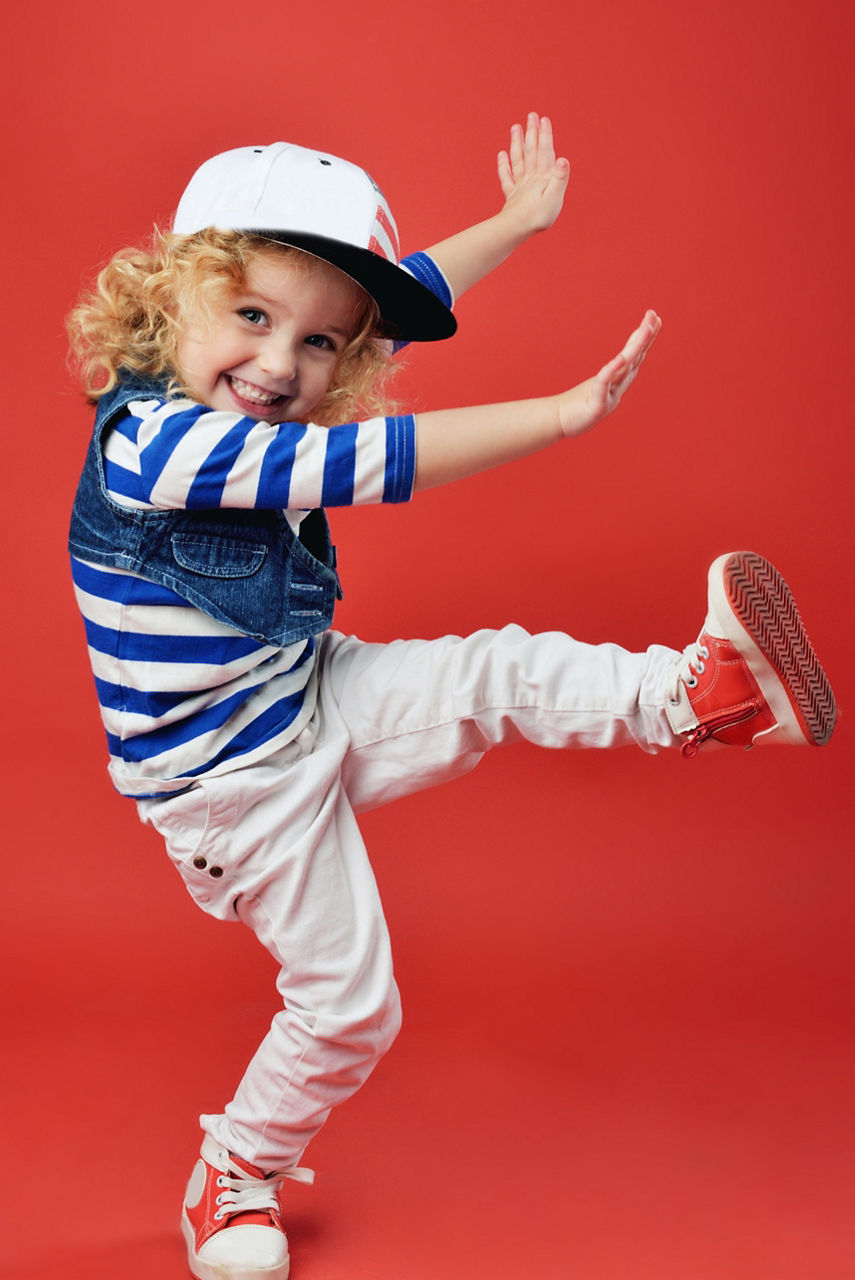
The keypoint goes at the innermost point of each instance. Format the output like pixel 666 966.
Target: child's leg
pixel 277 846
pixel 317 910
pixel 281 851
pixel 420 712
pixel 301 878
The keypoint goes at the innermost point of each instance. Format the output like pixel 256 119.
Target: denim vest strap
pixel 245 568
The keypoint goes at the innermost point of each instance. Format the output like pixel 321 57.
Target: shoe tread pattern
pixel 764 605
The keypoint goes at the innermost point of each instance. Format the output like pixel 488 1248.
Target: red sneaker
pixel 752 672
pixel 230 1219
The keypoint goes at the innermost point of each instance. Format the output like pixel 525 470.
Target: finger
pixel 506 179
pixel 545 146
pixel 653 320
pixel 613 371
pixel 532 130
pixel 515 150
pixel 642 338
pixel 561 171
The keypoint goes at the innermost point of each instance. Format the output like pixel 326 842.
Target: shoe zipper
pixel 702 732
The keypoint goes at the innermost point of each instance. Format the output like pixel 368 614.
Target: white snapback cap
pixel 325 206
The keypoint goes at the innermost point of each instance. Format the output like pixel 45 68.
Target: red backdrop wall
pixel 628 980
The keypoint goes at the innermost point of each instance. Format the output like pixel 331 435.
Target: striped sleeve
pixel 425 270
pixel 180 455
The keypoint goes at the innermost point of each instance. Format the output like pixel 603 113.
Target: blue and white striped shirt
pixel 183 696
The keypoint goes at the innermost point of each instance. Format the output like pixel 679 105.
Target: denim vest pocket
pixel 208 552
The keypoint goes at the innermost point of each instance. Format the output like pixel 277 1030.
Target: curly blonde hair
pixel 132 319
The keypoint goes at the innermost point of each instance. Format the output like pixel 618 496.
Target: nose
pixel 278 358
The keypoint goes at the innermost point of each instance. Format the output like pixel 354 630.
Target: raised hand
pixel 533 181
pixel 588 403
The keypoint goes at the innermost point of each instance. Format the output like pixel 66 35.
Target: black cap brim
pixel 409 312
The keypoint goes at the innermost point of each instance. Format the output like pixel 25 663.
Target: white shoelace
pixel 688 668
pixel 241 1193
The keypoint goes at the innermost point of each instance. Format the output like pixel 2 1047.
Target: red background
pixel 627 980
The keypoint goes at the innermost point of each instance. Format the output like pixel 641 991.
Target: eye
pixel 322 342
pixel 253 315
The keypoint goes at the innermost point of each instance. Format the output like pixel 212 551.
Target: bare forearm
pixel 467 257
pixel 454 443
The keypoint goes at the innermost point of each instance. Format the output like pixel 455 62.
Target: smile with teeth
pixel 248 391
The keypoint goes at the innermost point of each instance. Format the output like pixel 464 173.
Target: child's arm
pixel 534 183
pixel 453 443
pixel 173 455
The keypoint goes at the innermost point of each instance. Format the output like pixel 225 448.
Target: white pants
pixel 277 846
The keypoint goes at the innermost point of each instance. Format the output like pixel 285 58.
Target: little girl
pixel 237 368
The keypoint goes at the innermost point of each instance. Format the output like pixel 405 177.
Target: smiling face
pixel 269 349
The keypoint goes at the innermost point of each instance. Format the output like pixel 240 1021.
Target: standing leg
pixel 282 852
pixel 314 905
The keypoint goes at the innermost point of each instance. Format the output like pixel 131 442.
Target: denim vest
pixel 246 568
